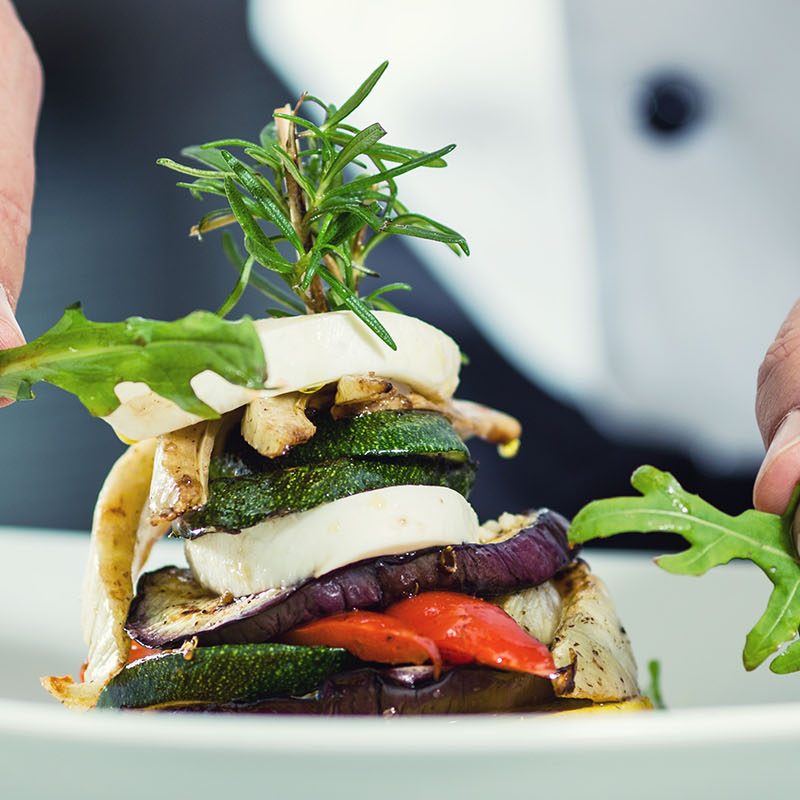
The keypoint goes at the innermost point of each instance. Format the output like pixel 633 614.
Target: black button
pixel 671 105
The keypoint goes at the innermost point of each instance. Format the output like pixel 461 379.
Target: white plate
pixel 729 733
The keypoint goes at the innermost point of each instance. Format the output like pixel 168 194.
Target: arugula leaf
pixel 715 538
pixel 89 358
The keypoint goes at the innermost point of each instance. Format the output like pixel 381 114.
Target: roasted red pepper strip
pixel 370 637
pixel 140 651
pixel 468 630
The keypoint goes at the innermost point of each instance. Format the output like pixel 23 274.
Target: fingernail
pixel 776 478
pixel 787 435
pixel 10 332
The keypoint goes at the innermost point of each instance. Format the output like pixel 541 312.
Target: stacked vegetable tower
pixel 315 467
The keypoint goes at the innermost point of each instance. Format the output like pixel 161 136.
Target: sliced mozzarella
pixel 284 551
pixel 303 352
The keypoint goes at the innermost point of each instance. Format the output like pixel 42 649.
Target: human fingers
pixel 20 97
pixel 778 415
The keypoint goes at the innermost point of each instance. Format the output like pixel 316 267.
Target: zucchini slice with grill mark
pixel 237 503
pixel 382 434
pixel 226 673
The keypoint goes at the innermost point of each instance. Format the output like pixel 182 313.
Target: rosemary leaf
pixel 327 146
pixel 300 182
pixel 262 156
pixel 218 218
pixel 288 164
pixel 257 281
pixel 359 184
pixel 204 185
pixel 407 218
pixel 384 305
pixel 387 152
pixel 351 217
pixel 389 287
pixel 316 254
pixel 356 99
pixel 428 233
pixel 256 241
pixel 351 300
pixel 301 122
pixel 349 224
pixel 347 262
pixel 357 145
pixel 233 298
pixel 264 198
pixel 365 270
pixel 197 173
pixel 267 136
pixel 277 313
pixel 210 158
pixel 227 143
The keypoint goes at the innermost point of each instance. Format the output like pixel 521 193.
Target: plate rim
pixel 697 728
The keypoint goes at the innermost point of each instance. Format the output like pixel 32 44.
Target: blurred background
pixel 650 114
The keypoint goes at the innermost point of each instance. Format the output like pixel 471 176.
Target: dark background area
pixel 126 83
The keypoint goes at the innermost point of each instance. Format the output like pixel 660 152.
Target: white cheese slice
pixel 301 353
pixel 285 551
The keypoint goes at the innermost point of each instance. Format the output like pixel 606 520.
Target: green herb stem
pixel 323 189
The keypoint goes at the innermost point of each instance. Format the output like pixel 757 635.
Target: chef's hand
pixel 20 95
pixel 778 414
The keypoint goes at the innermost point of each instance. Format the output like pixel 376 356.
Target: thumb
pixel 20 96
pixel 778 415
pixel 10 332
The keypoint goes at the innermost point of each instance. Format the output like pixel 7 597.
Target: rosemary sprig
pixel 312 199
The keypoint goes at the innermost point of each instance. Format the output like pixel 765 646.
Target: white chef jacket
pixel 637 275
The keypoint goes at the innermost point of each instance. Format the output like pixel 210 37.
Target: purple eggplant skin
pixel 170 607
pixel 410 691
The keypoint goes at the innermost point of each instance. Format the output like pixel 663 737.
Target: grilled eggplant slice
pixel 171 607
pixel 412 690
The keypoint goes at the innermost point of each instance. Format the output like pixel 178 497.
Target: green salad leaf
pixel 89 358
pixel 715 538
pixel 310 201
